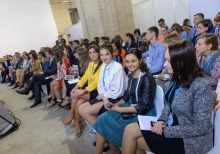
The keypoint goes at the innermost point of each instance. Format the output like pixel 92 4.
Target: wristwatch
pixel 85 91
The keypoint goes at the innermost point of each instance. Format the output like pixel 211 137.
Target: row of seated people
pixel 98 86
pixel 191 99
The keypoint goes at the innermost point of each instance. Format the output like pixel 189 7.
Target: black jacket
pixel 146 92
pixel 52 70
pixel 45 64
pixel 132 45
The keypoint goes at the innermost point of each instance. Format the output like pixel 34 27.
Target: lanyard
pixel 136 91
pixel 207 66
pixel 153 56
pixel 170 121
pixel 91 73
pixel 103 76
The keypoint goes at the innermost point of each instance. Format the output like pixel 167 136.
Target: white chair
pixel 159 104
pixel 216 148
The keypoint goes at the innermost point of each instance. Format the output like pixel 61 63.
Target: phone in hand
pixel 108 105
pixel 152 123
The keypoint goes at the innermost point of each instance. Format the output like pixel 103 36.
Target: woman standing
pixel 80 96
pixel 209 57
pixel 138 100
pixel 184 126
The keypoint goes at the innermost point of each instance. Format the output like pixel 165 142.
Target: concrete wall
pixel 26 25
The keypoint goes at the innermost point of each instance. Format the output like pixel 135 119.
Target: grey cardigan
pixel 193 108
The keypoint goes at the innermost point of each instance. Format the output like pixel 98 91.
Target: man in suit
pixel 197 18
pixel 19 61
pixel 216 29
pixel 39 79
pixel 60 41
pixel 5 71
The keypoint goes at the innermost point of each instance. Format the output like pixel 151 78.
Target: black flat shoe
pixel 16 86
pixel 35 104
pixel 23 92
pixel 49 99
pixel 105 148
pixel 32 97
pixel 60 105
pixel 56 102
pixel 21 87
pixel 11 84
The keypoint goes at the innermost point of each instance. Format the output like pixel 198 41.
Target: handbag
pixel 127 116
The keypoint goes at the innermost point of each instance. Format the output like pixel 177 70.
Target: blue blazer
pixel 52 68
pixel 213 30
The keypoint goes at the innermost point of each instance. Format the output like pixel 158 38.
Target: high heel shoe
pixel 65 122
pixel 79 133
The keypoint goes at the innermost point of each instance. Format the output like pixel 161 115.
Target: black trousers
pixel 4 73
pixel 36 82
pixel 27 76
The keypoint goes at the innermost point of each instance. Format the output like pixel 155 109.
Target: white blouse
pixel 112 80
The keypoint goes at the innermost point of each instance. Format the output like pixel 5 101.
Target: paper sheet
pixel 145 121
pixel 73 81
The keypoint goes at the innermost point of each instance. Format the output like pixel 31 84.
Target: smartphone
pixel 152 123
pixel 108 105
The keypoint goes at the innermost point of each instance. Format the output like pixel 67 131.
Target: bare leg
pixel 142 145
pixel 21 76
pixel 114 148
pixel 131 134
pixel 57 92
pixel 66 101
pixel 71 114
pixel 89 112
pixel 100 141
pixel 17 75
pixel 63 90
pixel 52 84
pixel 77 115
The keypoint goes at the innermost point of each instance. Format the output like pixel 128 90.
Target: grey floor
pixel 41 130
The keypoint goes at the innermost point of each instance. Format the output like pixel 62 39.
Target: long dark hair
pixel 96 48
pixel 131 36
pixel 185 22
pixel 58 54
pixel 138 54
pixel 117 43
pixel 68 48
pixel 184 63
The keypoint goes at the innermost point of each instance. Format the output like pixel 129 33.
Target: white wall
pixel 26 25
pixel 148 12
pixel 208 7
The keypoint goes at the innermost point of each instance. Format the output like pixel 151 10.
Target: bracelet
pixel 85 91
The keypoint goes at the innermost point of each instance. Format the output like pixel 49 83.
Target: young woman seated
pixel 184 126
pixel 80 96
pixel 84 60
pixel 111 86
pixel 34 67
pixel 63 66
pixel 208 57
pixel 138 100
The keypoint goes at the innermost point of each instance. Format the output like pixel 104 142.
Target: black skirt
pixel 103 109
pixel 93 94
pixel 159 144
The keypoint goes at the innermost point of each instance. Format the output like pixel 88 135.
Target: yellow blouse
pixel 90 77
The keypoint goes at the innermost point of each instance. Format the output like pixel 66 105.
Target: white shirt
pixel 115 81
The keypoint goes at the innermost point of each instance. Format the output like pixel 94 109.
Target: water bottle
pixel 91 129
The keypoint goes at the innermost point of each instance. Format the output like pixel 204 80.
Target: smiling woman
pixel 138 99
